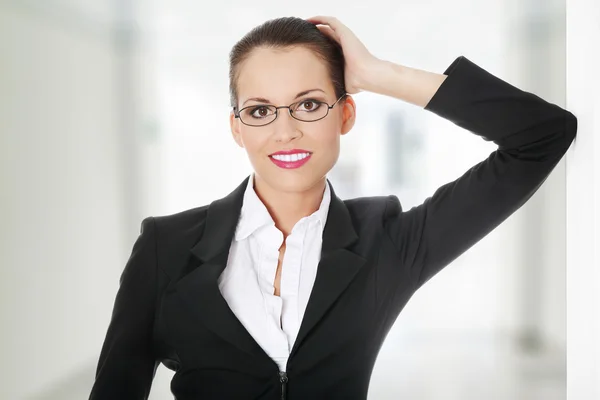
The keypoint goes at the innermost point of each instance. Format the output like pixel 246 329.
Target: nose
pixel 286 128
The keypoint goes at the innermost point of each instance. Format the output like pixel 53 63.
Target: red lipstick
pixel 290 159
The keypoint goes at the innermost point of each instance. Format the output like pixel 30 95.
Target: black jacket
pixel 375 255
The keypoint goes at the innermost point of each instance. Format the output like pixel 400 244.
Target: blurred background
pixel 113 111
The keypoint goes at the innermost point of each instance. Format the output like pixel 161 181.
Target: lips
pixel 290 159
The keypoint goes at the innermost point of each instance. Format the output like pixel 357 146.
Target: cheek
pixel 324 136
pixel 252 141
pixel 329 135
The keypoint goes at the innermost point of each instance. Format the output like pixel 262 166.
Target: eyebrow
pixel 263 100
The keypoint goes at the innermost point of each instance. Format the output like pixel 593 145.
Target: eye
pixel 308 105
pixel 259 112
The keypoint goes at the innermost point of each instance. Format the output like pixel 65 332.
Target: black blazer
pixel 375 255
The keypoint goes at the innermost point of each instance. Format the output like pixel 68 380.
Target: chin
pixel 292 182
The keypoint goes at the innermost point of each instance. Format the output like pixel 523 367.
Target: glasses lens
pixel 258 115
pixel 309 110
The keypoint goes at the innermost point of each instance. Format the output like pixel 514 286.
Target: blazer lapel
pixel 199 288
pixel 337 268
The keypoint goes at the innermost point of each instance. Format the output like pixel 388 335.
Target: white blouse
pixel 247 283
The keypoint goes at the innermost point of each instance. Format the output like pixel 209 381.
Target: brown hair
pixel 283 33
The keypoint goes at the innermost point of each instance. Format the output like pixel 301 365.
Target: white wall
pixel 62 243
pixel 583 202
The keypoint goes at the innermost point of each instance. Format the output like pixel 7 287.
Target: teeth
pixel 290 157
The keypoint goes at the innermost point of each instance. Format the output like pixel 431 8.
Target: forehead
pixel 280 74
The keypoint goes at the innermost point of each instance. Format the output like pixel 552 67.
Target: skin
pixel 278 75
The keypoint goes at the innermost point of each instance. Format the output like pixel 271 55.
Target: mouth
pixel 290 159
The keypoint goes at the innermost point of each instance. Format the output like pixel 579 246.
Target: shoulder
pixel 369 207
pixel 175 234
pixel 182 226
pixel 184 219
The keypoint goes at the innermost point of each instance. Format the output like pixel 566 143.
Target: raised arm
pixel 532 136
pixel 127 366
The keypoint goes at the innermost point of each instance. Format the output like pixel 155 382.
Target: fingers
pixel 329 26
pixel 324 20
pixel 327 31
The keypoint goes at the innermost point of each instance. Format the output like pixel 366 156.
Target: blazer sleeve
pixel 126 366
pixel 532 136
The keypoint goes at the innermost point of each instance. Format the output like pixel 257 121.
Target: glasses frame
pixel 329 107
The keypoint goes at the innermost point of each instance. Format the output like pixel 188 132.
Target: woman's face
pixel 276 76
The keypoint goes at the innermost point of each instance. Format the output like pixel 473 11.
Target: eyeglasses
pixel 308 110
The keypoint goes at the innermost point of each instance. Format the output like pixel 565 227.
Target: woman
pixel 282 290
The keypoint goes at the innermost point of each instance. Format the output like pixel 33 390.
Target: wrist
pixel 412 85
pixel 375 74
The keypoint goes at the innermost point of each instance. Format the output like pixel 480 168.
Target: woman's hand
pixel 363 71
pixel 359 61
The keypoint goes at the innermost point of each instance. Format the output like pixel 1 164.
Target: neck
pixel 287 208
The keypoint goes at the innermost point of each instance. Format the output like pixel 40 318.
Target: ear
pixel 235 123
pixel 348 114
